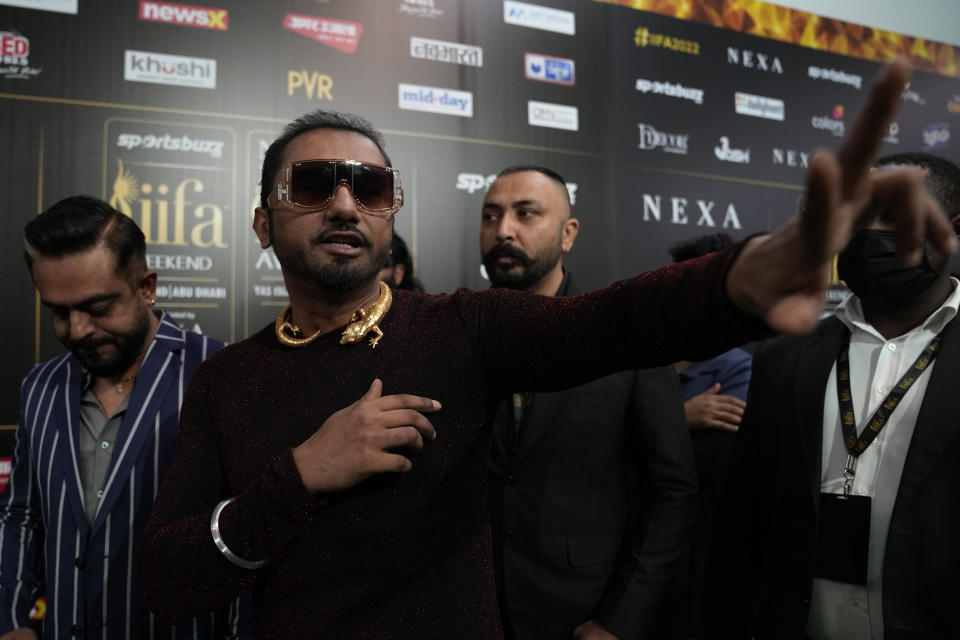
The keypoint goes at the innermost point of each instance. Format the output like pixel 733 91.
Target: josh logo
pixel 339 34
pixel 164 68
pixel 677 210
pixel 184 14
pixel 909 95
pixel 162 224
pixel 936 135
pixel 759 106
pixel 420 8
pixel 651 139
pixel 435 100
pixel 643 37
pixel 313 84
pixel 754 60
pixel 834 123
pixel 645 86
pixel 15 56
pixel 893 133
pixel 726 153
pixel 548 69
pixel 553 116
pixel 534 16
pixel 441 51
pixel 790 157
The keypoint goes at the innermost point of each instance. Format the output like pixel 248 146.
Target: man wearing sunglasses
pixel 308 468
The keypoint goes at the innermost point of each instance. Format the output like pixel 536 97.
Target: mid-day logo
pixel 184 15
pixel 339 34
pixel 14 55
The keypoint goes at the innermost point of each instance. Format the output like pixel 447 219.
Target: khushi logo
pixel 15 54
pixel 643 37
pixel 163 68
pixel 339 34
pixel 149 206
pixel 185 15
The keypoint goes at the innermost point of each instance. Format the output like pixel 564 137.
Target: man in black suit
pixel 840 517
pixel 593 489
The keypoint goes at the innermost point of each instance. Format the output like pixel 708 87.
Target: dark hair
pixel 80 223
pixel 942 179
pixel 318 119
pixel 399 254
pixel 700 246
pixel 550 173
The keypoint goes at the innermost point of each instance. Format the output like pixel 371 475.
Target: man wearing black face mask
pixel 839 515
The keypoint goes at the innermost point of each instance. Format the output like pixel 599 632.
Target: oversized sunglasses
pixel 312 184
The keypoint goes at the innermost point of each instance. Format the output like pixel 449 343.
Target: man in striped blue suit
pixel 97 431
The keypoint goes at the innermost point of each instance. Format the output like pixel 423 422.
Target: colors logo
pixel 339 34
pixel 549 69
pixel 834 124
pixel 184 15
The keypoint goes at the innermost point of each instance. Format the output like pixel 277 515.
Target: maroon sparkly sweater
pixel 399 555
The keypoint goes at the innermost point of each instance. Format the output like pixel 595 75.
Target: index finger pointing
pixel 868 131
pixel 408 401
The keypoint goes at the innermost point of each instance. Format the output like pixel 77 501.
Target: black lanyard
pixel 857 444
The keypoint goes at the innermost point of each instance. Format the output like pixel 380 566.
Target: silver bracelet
pixel 222 546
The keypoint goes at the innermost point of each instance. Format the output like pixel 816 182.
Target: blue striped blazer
pixel 89 572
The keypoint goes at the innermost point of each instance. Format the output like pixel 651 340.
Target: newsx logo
pixel 473 182
pixel 185 15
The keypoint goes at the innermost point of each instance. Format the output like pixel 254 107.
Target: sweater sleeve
pixel 258 524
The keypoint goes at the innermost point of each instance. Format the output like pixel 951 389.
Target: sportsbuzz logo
pixel 474 182
pixel 414 97
pixel 167 142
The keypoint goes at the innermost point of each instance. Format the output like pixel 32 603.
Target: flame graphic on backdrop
pixel 809 30
pixel 126 189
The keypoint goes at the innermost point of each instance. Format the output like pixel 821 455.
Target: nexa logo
pixel 753 60
pixel 184 14
pixel 790 157
pixel 677 212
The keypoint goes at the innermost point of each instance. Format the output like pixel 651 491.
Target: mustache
pixel 89 344
pixel 341 227
pixel 507 250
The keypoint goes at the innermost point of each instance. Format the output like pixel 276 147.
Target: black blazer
pixel 760 574
pixel 592 507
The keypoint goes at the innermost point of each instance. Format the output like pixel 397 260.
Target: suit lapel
pixel 160 369
pixel 540 416
pixel 68 444
pixel 814 363
pixel 936 422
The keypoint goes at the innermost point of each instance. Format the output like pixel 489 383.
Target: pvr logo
pixel 313 83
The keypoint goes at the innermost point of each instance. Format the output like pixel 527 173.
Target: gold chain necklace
pixel 363 322
pixel 118 384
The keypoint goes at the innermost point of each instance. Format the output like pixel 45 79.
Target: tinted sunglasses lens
pixel 311 183
pixel 373 187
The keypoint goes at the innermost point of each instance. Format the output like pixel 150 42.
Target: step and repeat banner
pixel 669 122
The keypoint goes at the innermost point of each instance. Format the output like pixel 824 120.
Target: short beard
pixel 129 346
pixel 341 277
pixel 532 270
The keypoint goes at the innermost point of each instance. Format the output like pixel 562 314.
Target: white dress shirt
pixel 839 610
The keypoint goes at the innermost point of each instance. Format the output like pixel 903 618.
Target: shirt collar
pixel 850 313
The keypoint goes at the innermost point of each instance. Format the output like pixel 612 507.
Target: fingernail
pixel 436 405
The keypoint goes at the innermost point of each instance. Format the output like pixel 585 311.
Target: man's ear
pixel 570 229
pixel 261 226
pixel 147 287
